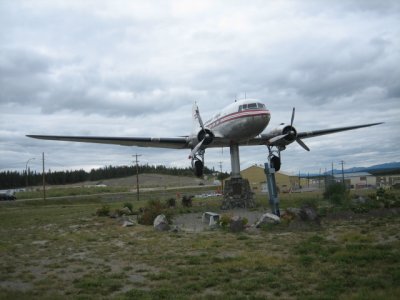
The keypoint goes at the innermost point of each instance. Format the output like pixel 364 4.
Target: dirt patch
pixel 193 222
pixel 350 215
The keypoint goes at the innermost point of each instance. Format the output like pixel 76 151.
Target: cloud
pixel 133 68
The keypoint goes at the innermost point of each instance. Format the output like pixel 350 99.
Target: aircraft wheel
pixel 198 165
pixel 276 163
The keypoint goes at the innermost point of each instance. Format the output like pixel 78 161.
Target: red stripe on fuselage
pixel 237 115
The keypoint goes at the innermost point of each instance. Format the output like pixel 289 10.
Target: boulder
pixel 128 224
pixel 161 223
pixel 268 218
pixel 308 213
pixel 236 224
pixel 125 211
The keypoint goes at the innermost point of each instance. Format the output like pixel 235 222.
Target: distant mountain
pixel 376 169
pixel 381 167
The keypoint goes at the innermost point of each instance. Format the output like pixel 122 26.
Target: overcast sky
pixel 134 68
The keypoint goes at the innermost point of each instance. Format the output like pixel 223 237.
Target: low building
pixel 258 181
pixel 358 180
pixel 388 181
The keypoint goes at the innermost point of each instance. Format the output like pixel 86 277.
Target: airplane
pixel 239 124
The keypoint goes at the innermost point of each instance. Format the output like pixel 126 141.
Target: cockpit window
pixel 251 106
pixel 260 105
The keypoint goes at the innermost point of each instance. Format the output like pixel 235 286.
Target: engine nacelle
pixel 288 133
pixel 207 135
pixel 291 133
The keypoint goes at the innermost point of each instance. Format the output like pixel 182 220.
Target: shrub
pixel 128 205
pixel 187 201
pixel 336 193
pixel 171 202
pixel 225 220
pixel 151 211
pixel 104 211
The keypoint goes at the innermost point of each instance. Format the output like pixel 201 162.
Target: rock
pixel 308 213
pixel 293 211
pixel 161 223
pixel 359 200
pixel 268 218
pixel 236 224
pixel 125 211
pixel 175 229
pixel 128 224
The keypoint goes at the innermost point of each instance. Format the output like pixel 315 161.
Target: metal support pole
pixel 272 190
pixel 235 161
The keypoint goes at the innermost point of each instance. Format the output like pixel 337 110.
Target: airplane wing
pixel 173 143
pixel 308 134
pixel 265 139
pixel 184 142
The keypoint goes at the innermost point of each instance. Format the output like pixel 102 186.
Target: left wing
pixel 270 139
pixel 173 143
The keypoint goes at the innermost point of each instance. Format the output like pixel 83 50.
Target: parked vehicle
pixel 7 197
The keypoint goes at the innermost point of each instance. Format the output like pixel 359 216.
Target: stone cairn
pixel 237 194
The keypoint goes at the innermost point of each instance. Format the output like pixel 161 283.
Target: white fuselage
pixel 239 121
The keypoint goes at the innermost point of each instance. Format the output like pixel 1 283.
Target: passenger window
pixel 244 106
pixel 240 107
pixel 260 105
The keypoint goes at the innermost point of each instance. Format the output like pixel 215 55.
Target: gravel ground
pixel 193 221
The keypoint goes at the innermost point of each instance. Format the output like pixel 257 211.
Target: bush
pixel 187 201
pixel 171 202
pixel 128 205
pixel 152 210
pixel 225 220
pixel 337 194
pixel 104 211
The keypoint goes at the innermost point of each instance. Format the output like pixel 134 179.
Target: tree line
pixel 15 179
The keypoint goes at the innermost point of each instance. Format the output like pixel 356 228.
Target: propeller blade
pixel 199 118
pixel 301 143
pixel 195 149
pixel 291 122
pixel 276 138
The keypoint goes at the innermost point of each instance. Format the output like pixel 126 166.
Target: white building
pixel 359 180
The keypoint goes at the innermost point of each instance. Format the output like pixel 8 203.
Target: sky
pixel 134 68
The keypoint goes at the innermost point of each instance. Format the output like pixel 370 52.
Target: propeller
pixel 206 134
pixel 292 133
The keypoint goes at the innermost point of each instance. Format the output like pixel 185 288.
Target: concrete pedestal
pixel 237 194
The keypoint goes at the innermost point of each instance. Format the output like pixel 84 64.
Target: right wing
pixel 173 143
pixel 270 138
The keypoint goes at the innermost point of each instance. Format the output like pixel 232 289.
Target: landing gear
pixel 275 162
pixel 273 165
pixel 198 162
pixel 198 168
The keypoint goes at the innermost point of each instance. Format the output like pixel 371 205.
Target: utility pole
pixel 44 179
pixel 342 162
pixel 222 180
pixel 299 181
pixel 319 179
pixel 137 175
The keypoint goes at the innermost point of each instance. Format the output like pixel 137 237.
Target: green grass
pixel 61 250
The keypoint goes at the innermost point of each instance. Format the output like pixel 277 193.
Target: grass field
pixel 61 250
